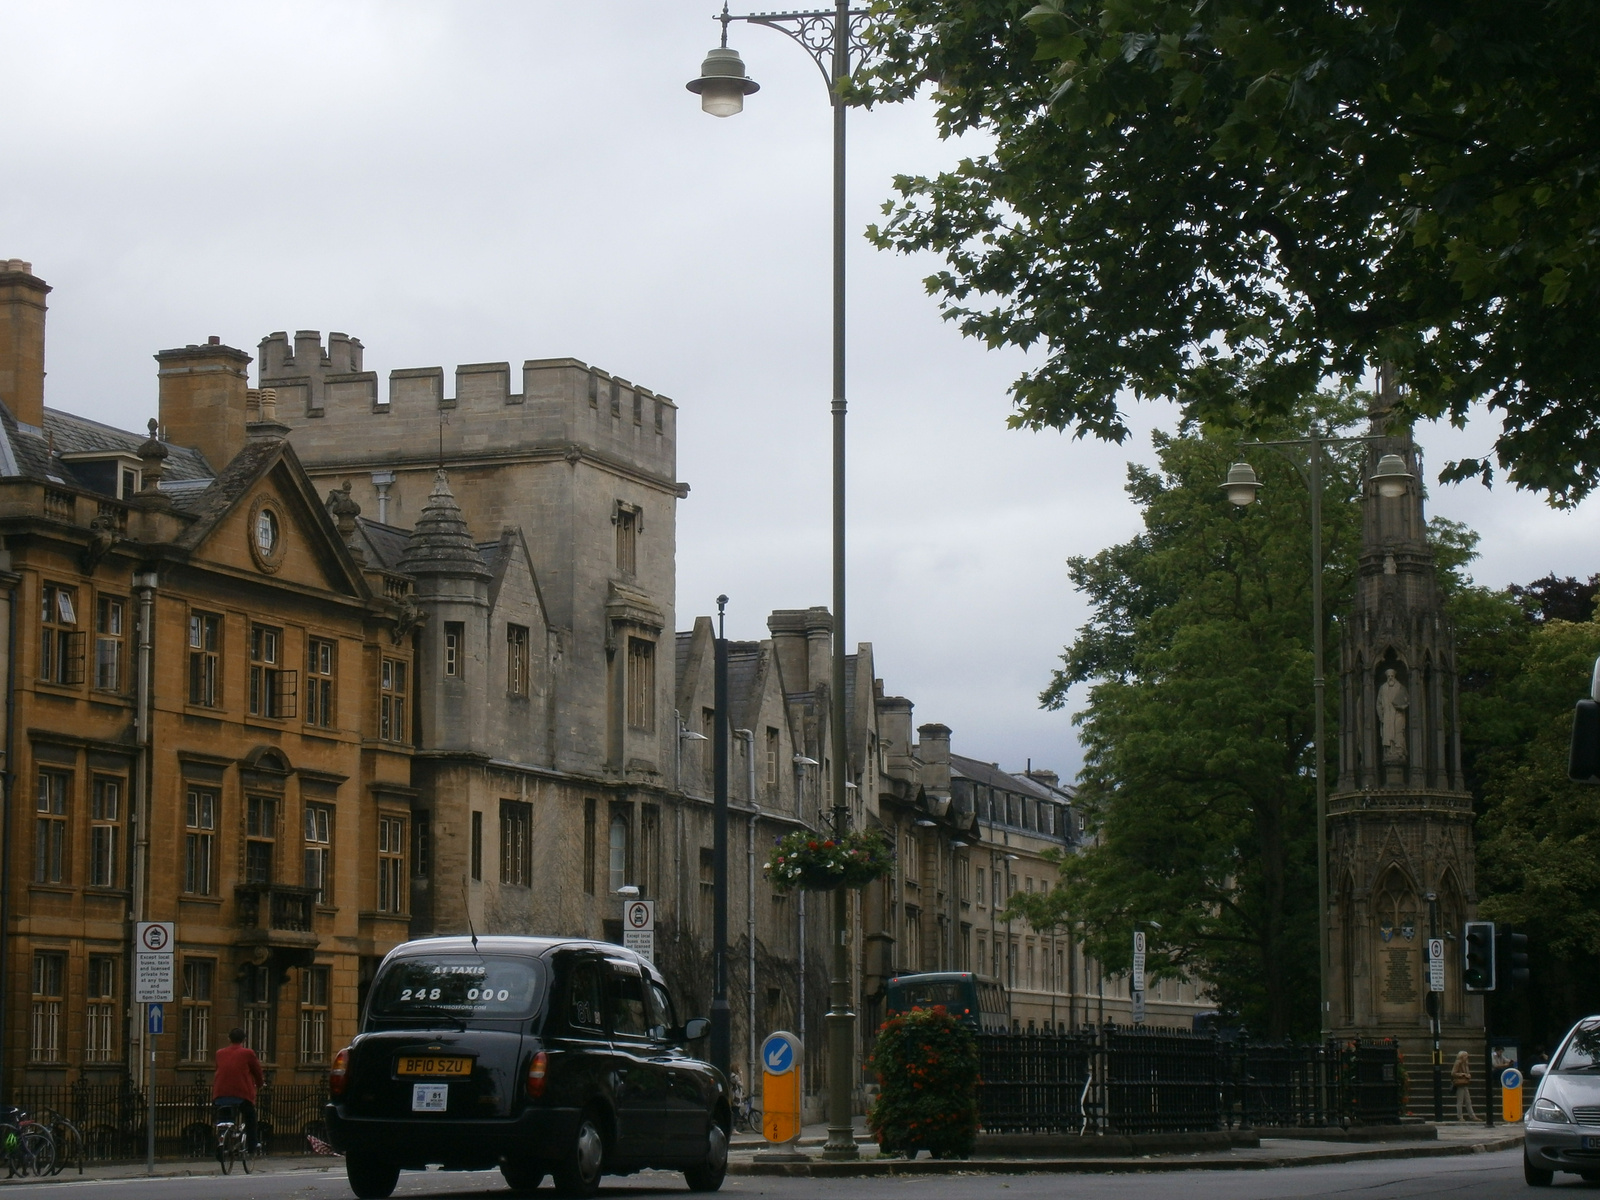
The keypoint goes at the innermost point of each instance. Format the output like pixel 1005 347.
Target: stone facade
pixel 194 673
pixel 473 712
pixel 1400 818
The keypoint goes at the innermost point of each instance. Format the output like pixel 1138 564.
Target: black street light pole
pixel 721 1015
pixel 830 37
pixel 1241 488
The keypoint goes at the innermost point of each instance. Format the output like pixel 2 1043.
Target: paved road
pixel 1478 1177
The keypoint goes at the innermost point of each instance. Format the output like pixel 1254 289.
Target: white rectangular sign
pixel 1138 1008
pixel 642 942
pixel 152 979
pixel 1138 960
pixel 1436 964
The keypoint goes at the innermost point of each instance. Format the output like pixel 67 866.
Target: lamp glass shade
pixel 722 98
pixel 1242 485
pixel 1391 476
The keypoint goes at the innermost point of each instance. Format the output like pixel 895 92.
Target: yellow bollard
pixel 780 1088
pixel 1510 1095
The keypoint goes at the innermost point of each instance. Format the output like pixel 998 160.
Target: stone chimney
pixel 933 748
pixel 22 308
pixel 894 727
pixel 204 398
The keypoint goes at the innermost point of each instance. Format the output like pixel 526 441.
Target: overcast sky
pixel 470 182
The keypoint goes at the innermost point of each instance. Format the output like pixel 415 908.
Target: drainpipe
pixel 749 737
pixel 7 779
pixel 144 583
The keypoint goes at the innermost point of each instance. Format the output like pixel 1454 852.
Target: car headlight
pixel 1548 1111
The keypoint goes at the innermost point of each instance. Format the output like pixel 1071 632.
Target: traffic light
pixel 1583 759
pixel 1513 951
pixel 1477 967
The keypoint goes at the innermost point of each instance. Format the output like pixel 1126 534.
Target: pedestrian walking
pixel 1461 1078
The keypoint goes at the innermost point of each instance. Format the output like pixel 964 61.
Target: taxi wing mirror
pixel 1536 1071
pixel 696 1028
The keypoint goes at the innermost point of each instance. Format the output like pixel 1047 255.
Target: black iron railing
pixel 1126 1080
pixel 112 1117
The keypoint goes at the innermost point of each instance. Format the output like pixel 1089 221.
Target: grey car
pixel 1563 1123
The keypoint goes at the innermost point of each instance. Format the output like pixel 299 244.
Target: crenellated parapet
pixel 341 412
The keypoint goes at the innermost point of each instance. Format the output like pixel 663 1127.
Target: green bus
pixel 977 1000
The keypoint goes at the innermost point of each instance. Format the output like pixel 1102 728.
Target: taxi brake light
pixel 537 1065
pixel 339 1073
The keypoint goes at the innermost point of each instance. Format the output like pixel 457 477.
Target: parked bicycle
pixel 69 1143
pixel 28 1147
pixel 232 1144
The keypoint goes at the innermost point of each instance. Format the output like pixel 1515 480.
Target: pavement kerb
pixel 819 1169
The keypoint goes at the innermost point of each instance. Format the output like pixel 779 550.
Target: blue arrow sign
pixel 1511 1079
pixel 777 1055
pixel 157 1015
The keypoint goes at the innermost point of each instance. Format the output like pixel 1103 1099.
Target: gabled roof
pixel 240 477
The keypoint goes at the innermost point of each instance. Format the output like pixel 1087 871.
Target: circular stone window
pixel 266 534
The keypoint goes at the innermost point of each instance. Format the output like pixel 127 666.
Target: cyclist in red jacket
pixel 237 1078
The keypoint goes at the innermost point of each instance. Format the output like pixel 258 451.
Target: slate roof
pixel 226 489
pixel 385 543
pixel 72 434
pixel 30 455
pixel 991 776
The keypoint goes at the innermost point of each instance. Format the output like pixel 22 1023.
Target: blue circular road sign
pixel 777 1054
pixel 1511 1079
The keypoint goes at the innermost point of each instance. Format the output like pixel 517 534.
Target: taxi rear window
pixel 465 986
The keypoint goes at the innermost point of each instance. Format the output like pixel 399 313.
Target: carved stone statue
pixel 1393 701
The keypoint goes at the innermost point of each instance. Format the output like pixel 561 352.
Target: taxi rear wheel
pixel 579 1169
pixel 1533 1176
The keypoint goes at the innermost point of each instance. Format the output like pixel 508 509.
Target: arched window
pixel 617 851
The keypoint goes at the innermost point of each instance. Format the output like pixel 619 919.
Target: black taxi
pixel 537 1055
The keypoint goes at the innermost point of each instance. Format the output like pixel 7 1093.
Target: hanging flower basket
pixel 816 863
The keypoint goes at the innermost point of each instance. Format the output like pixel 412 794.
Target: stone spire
pixel 1400 841
pixel 441 543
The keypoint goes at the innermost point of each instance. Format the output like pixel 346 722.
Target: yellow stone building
pixel 207 722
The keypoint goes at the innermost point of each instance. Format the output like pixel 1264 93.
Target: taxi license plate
pixel 429 1097
pixel 1591 1143
pixel 435 1066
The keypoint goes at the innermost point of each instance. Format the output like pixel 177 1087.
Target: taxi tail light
pixel 537 1066
pixel 339 1073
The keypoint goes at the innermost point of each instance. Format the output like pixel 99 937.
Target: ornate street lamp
pixel 830 37
pixel 1392 480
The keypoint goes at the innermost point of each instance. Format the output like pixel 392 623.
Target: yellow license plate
pixel 434 1065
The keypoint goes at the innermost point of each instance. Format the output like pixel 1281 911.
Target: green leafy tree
pixel 1198 729
pixel 1227 202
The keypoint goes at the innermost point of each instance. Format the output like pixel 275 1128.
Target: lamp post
pixel 829 37
pixel 1392 480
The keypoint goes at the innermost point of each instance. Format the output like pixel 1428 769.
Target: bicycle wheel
pixel 38 1151
pixel 225 1147
pixel 244 1151
pixel 69 1145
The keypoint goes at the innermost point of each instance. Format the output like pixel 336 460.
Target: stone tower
pixel 1400 817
